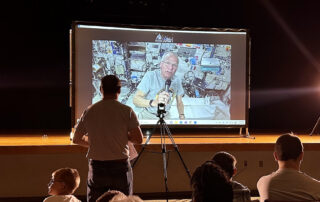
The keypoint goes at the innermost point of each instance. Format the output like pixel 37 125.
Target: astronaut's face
pixel 169 67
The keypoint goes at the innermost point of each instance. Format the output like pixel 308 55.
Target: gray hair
pixel 169 54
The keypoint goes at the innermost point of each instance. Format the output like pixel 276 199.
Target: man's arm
pixel 140 101
pixel 80 139
pixel 180 107
pixel 135 135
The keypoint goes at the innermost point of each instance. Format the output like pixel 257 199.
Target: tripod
pixel 164 130
pixel 315 126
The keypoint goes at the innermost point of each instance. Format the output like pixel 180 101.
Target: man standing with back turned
pixel 288 183
pixel 105 128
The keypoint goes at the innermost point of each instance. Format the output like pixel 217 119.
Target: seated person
pixel 210 184
pixel 117 196
pixel 288 183
pixel 228 162
pixel 62 185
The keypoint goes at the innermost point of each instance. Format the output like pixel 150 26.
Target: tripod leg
pixel 177 150
pixel 247 135
pixel 315 126
pixel 164 158
pixel 145 144
pixel 183 163
pixel 142 149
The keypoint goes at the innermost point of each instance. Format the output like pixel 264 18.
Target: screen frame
pixel 72 82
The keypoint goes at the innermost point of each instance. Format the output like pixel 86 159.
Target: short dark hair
pixel 226 161
pixel 210 184
pixel 110 84
pixel 288 146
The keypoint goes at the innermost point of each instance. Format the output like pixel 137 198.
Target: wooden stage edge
pixel 60 143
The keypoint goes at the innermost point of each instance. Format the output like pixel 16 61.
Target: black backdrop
pixel 285 70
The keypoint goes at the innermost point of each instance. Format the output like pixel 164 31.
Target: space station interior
pixel 204 69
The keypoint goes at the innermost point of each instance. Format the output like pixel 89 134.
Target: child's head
pixel 117 196
pixel 111 195
pixel 64 181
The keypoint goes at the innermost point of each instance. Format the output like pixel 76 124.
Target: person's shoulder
pixel 94 105
pixel 123 106
pixel 264 178
pixel 55 198
pixel 154 73
pixel 176 78
pixel 238 186
pixel 47 199
pixel 308 177
pixel 176 81
pixel 71 198
pixel 148 77
pixel 151 73
pixel 91 108
pixel 59 198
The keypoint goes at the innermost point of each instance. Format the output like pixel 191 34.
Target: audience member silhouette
pixel 62 185
pixel 210 184
pixel 288 183
pixel 227 162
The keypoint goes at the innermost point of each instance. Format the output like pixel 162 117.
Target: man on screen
pixel 105 128
pixel 160 86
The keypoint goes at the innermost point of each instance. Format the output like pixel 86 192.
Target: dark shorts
pixel 108 175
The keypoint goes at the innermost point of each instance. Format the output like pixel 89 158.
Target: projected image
pixel 192 80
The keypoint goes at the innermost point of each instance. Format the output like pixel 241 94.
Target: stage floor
pixel 60 143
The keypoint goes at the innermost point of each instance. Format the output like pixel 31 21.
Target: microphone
pixel 167 85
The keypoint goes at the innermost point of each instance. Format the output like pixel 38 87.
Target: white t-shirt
pixel 61 198
pixel 107 124
pixel 288 184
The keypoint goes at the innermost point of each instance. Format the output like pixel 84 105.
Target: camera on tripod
pixel 164 130
pixel 161 110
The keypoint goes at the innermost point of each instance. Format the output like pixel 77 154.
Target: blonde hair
pixel 129 199
pixel 117 196
pixel 111 195
pixel 70 177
